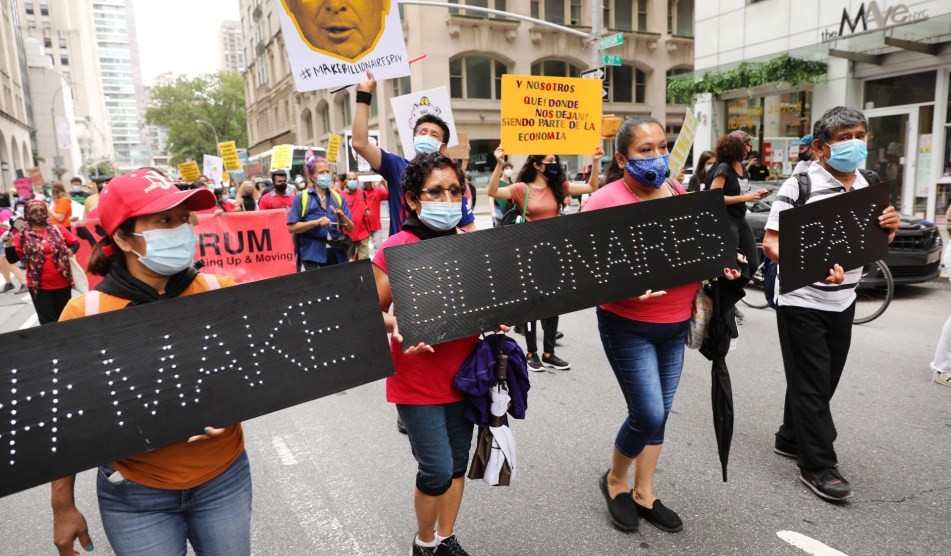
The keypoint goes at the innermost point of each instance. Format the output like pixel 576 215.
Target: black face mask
pixel 280 187
pixel 552 169
pixel 805 156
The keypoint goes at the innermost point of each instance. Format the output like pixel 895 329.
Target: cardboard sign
pixel 36 175
pixel 281 157
pixel 332 47
pixel 456 286
pixel 409 108
pixel 229 155
pixel 355 162
pixel 839 230
pixel 212 167
pixel 555 115
pixel 85 392
pixel 333 148
pixel 678 156
pixel 460 151
pixel 24 187
pixel 189 171
pixel 249 246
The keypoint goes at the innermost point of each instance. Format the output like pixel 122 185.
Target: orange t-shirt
pixel 180 465
pixel 64 205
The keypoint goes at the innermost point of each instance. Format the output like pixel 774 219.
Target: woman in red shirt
pixel 46 247
pixel 543 184
pixel 643 337
pixel 430 407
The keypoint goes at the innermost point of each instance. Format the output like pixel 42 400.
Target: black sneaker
pixel 519 329
pixel 423 550
pixel 661 516
pixel 6 287
pixel 785 450
pixel 621 508
pixel 555 362
pixel 399 424
pixel 826 483
pixel 559 335
pixel 534 364
pixel 450 546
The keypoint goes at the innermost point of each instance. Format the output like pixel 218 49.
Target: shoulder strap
pixel 336 198
pixel 303 204
pixel 870 176
pixel 805 189
pixel 92 302
pixel 212 281
pixel 525 203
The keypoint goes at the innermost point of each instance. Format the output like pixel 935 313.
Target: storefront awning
pixel 871 47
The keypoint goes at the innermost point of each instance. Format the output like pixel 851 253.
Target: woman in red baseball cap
pixel 147 255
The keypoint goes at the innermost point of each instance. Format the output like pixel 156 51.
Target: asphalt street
pixel 334 476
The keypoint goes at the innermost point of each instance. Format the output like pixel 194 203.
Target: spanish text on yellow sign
pixel 678 156
pixel 189 171
pixel 333 148
pixel 281 157
pixel 554 115
pixel 229 154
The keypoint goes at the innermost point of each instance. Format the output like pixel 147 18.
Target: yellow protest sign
pixel 281 157
pixel 229 154
pixel 554 115
pixel 225 177
pixel 333 148
pixel 189 171
pixel 678 156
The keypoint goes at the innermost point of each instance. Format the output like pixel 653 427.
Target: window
pixel 476 77
pixel 555 68
pixel 32 25
pixel 671 73
pixel 48 42
pixel 576 12
pixel 29 8
pixel 324 111
pixel 64 59
pixel 402 86
pixel 680 17
pixel 343 109
pixel 46 26
pixel 555 11
pixel 642 15
pixel 307 125
pixel 492 4
pixel 44 9
pixel 625 17
pixel 62 42
pixel 627 84
pixel 902 89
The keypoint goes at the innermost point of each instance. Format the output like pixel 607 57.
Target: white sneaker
pixel 941 378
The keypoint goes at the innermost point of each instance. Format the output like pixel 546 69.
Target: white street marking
pixel 283 452
pixel 808 545
pixel 30 322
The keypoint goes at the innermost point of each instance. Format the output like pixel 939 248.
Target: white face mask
pixel 508 173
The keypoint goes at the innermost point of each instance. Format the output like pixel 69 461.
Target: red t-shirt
pixel 274 201
pixel 50 279
pixel 376 196
pixel 424 379
pixel 677 305
pixel 358 209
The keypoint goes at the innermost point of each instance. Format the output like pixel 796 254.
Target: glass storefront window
pixel 900 90
pixel 775 123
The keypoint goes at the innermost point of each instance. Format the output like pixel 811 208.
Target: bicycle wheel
pixel 873 293
pixel 755 295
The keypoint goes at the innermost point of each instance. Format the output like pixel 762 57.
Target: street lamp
pixel 217 149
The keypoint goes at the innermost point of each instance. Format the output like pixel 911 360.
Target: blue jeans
pixel 144 521
pixel 440 437
pixel 647 359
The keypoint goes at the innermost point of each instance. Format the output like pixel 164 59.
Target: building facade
pixel 467 52
pixel 231 45
pixel 60 44
pixel 16 150
pixel 158 135
pixel 122 81
pixel 890 59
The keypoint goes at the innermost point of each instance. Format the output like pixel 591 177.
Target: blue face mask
pixel 649 171
pixel 847 155
pixel 169 252
pixel 426 144
pixel 440 216
pixel 352 185
pixel 324 181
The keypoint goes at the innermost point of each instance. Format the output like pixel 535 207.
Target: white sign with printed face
pixel 212 167
pixel 332 43
pixel 409 108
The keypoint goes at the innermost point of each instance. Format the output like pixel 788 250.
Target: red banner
pixel 246 245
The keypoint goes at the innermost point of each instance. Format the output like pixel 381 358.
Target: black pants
pixel 815 345
pixel 550 329
pixel 49 304
pixel 745 241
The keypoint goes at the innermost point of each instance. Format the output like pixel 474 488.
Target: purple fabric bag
pixel 477 375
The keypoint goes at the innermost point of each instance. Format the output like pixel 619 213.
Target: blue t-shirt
pixel 392 168
pixel 313 246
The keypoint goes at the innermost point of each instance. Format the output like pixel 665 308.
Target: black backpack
pixel 805 184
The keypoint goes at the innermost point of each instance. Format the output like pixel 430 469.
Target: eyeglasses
pixel 436 193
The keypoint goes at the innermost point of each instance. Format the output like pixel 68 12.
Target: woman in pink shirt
pixel 643 337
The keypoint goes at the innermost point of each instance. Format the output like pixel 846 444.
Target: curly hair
pixel 416 172
pixel 528 172
pixel 731 148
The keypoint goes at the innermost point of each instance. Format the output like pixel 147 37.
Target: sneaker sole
pixel 603 484
pixel 821 494
pixel 537 370
pixel 785 454
pixel 556 367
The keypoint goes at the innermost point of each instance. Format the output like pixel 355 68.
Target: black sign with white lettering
pixel 84 392
pixel 456 286
pixel 839 230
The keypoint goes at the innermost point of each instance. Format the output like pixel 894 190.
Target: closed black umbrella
pixel 716 344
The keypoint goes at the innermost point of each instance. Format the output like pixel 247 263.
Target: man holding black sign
pixel 815 322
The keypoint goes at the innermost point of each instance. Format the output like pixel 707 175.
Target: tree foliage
pixel 747 75
pixel 217 98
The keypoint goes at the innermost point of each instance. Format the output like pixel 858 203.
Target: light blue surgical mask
pixel 324 181
pixel 168 252
pixel 848 155
pixel 425 144
pixel 352 185
pixel 440 216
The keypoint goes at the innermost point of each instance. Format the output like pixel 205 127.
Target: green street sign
pixel 610 60
pixel 613 40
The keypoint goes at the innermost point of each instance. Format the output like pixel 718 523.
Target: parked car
pixel 913 257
